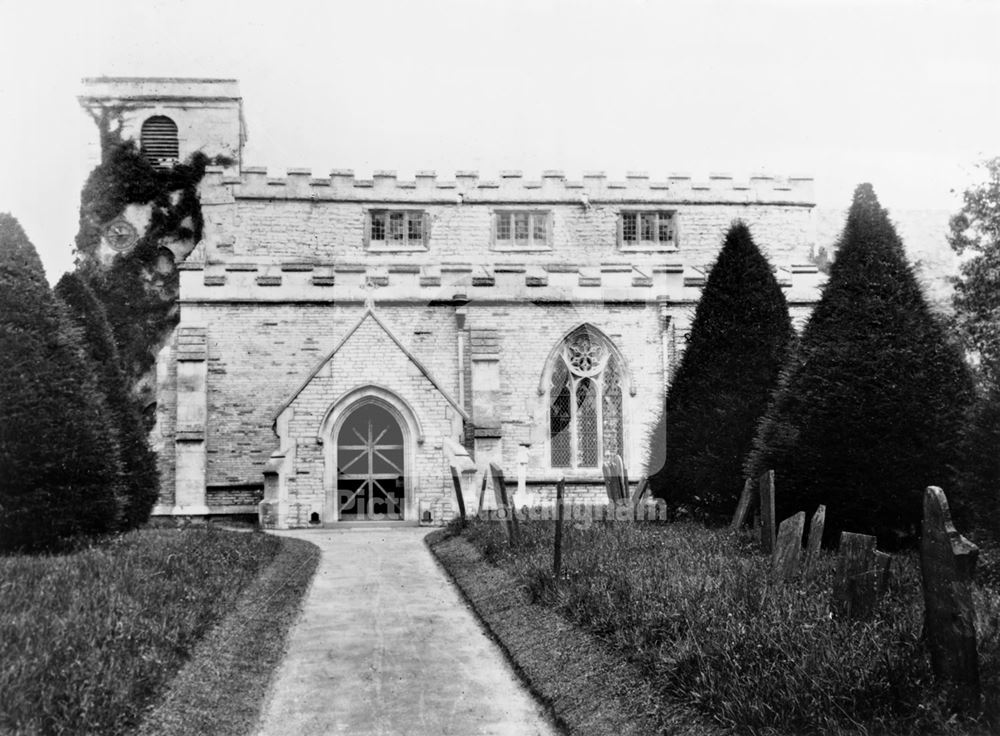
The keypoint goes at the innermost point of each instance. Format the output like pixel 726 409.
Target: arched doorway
pixel 371 465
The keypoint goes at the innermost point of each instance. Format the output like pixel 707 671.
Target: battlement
pixel 608 281
pixel 467 187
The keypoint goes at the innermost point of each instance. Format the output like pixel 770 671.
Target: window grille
pixel 585 412
pixel 158 141
pixel 648 229
pixel 518 229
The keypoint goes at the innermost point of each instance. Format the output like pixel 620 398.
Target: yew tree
pixel 870 410
pixel 60 465
pixel 141 481
pixel 738 342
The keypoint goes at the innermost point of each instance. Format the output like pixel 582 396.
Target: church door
pixel 370 473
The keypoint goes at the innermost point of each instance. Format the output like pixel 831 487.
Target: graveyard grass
pixel 696 611
pixel 92 640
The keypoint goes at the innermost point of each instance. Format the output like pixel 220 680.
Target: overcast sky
pixel 902 94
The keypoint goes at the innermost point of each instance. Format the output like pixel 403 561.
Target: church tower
pixel 171 118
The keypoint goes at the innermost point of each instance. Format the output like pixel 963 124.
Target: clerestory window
pixel 648 229
pixel 521 229
pixel 585 402
pixel 397 229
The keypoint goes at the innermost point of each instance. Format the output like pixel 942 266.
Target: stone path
pixel 385 645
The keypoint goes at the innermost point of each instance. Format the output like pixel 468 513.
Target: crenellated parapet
pixel 467 187
pixel 609 281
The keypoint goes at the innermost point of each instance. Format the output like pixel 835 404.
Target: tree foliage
pixel 738 342
pixel 869 411
pixel 141 481
pixel 138 289
pixel 61 469
pixel 975 232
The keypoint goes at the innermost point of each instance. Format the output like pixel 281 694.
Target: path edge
pixel 555 660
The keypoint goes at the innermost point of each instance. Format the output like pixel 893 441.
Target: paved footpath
pixel 386 646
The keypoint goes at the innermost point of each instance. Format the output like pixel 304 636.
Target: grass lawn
pixel 694 612
pixel 91 641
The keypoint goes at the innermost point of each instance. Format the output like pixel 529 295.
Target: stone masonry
pixel 295 310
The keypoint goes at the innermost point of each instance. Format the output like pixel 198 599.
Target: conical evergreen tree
pixel 738 342
pixel 870 409
pixel 59 466
pixel 141 480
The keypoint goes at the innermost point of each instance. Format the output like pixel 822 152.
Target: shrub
pixel 141 479
pixel 738 342
pixel 60 465
pixel 871 407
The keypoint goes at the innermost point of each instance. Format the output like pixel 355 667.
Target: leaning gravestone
pixel 788 550
pixel 815 539
pixel 947 562
pixel 882 563
pixel 743 507
pixel 854 581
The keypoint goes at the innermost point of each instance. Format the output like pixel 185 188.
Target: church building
pixel 344 342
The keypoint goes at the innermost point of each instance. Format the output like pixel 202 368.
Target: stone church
pixel 344 342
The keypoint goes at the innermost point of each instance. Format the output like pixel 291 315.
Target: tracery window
pixel 585 402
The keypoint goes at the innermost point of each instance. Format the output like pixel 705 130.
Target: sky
pixel 902 93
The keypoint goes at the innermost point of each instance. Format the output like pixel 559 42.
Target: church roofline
pixel 370 312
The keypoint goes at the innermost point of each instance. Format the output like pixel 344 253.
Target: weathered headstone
pixel 640 491
pixel 500 489
pixel 482 493
pixel 947 563
pixel 743 507
pixel 767 511
pixel 456 480
pixel 788 550
pixel 815 539
pixel 882 563
pixel 615 480
pixel 609 487
pixel 622 472
pixel 557 555
pixel 854 581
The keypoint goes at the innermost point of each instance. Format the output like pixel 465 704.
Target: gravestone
pixel 815 539
pixel 947 564
pixel 882 563
pixel 640 491
pixel 854 581
pixel 767 511
pixel 615 480
pixel 788 549
pixel 482 493
pixel 743 507
pixel 459 496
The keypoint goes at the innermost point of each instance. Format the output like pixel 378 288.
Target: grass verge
pixel 222 688
pixel 697 616
pixel 90 640
pixel 591 690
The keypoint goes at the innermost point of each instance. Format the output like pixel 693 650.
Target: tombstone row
pixel 862 575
